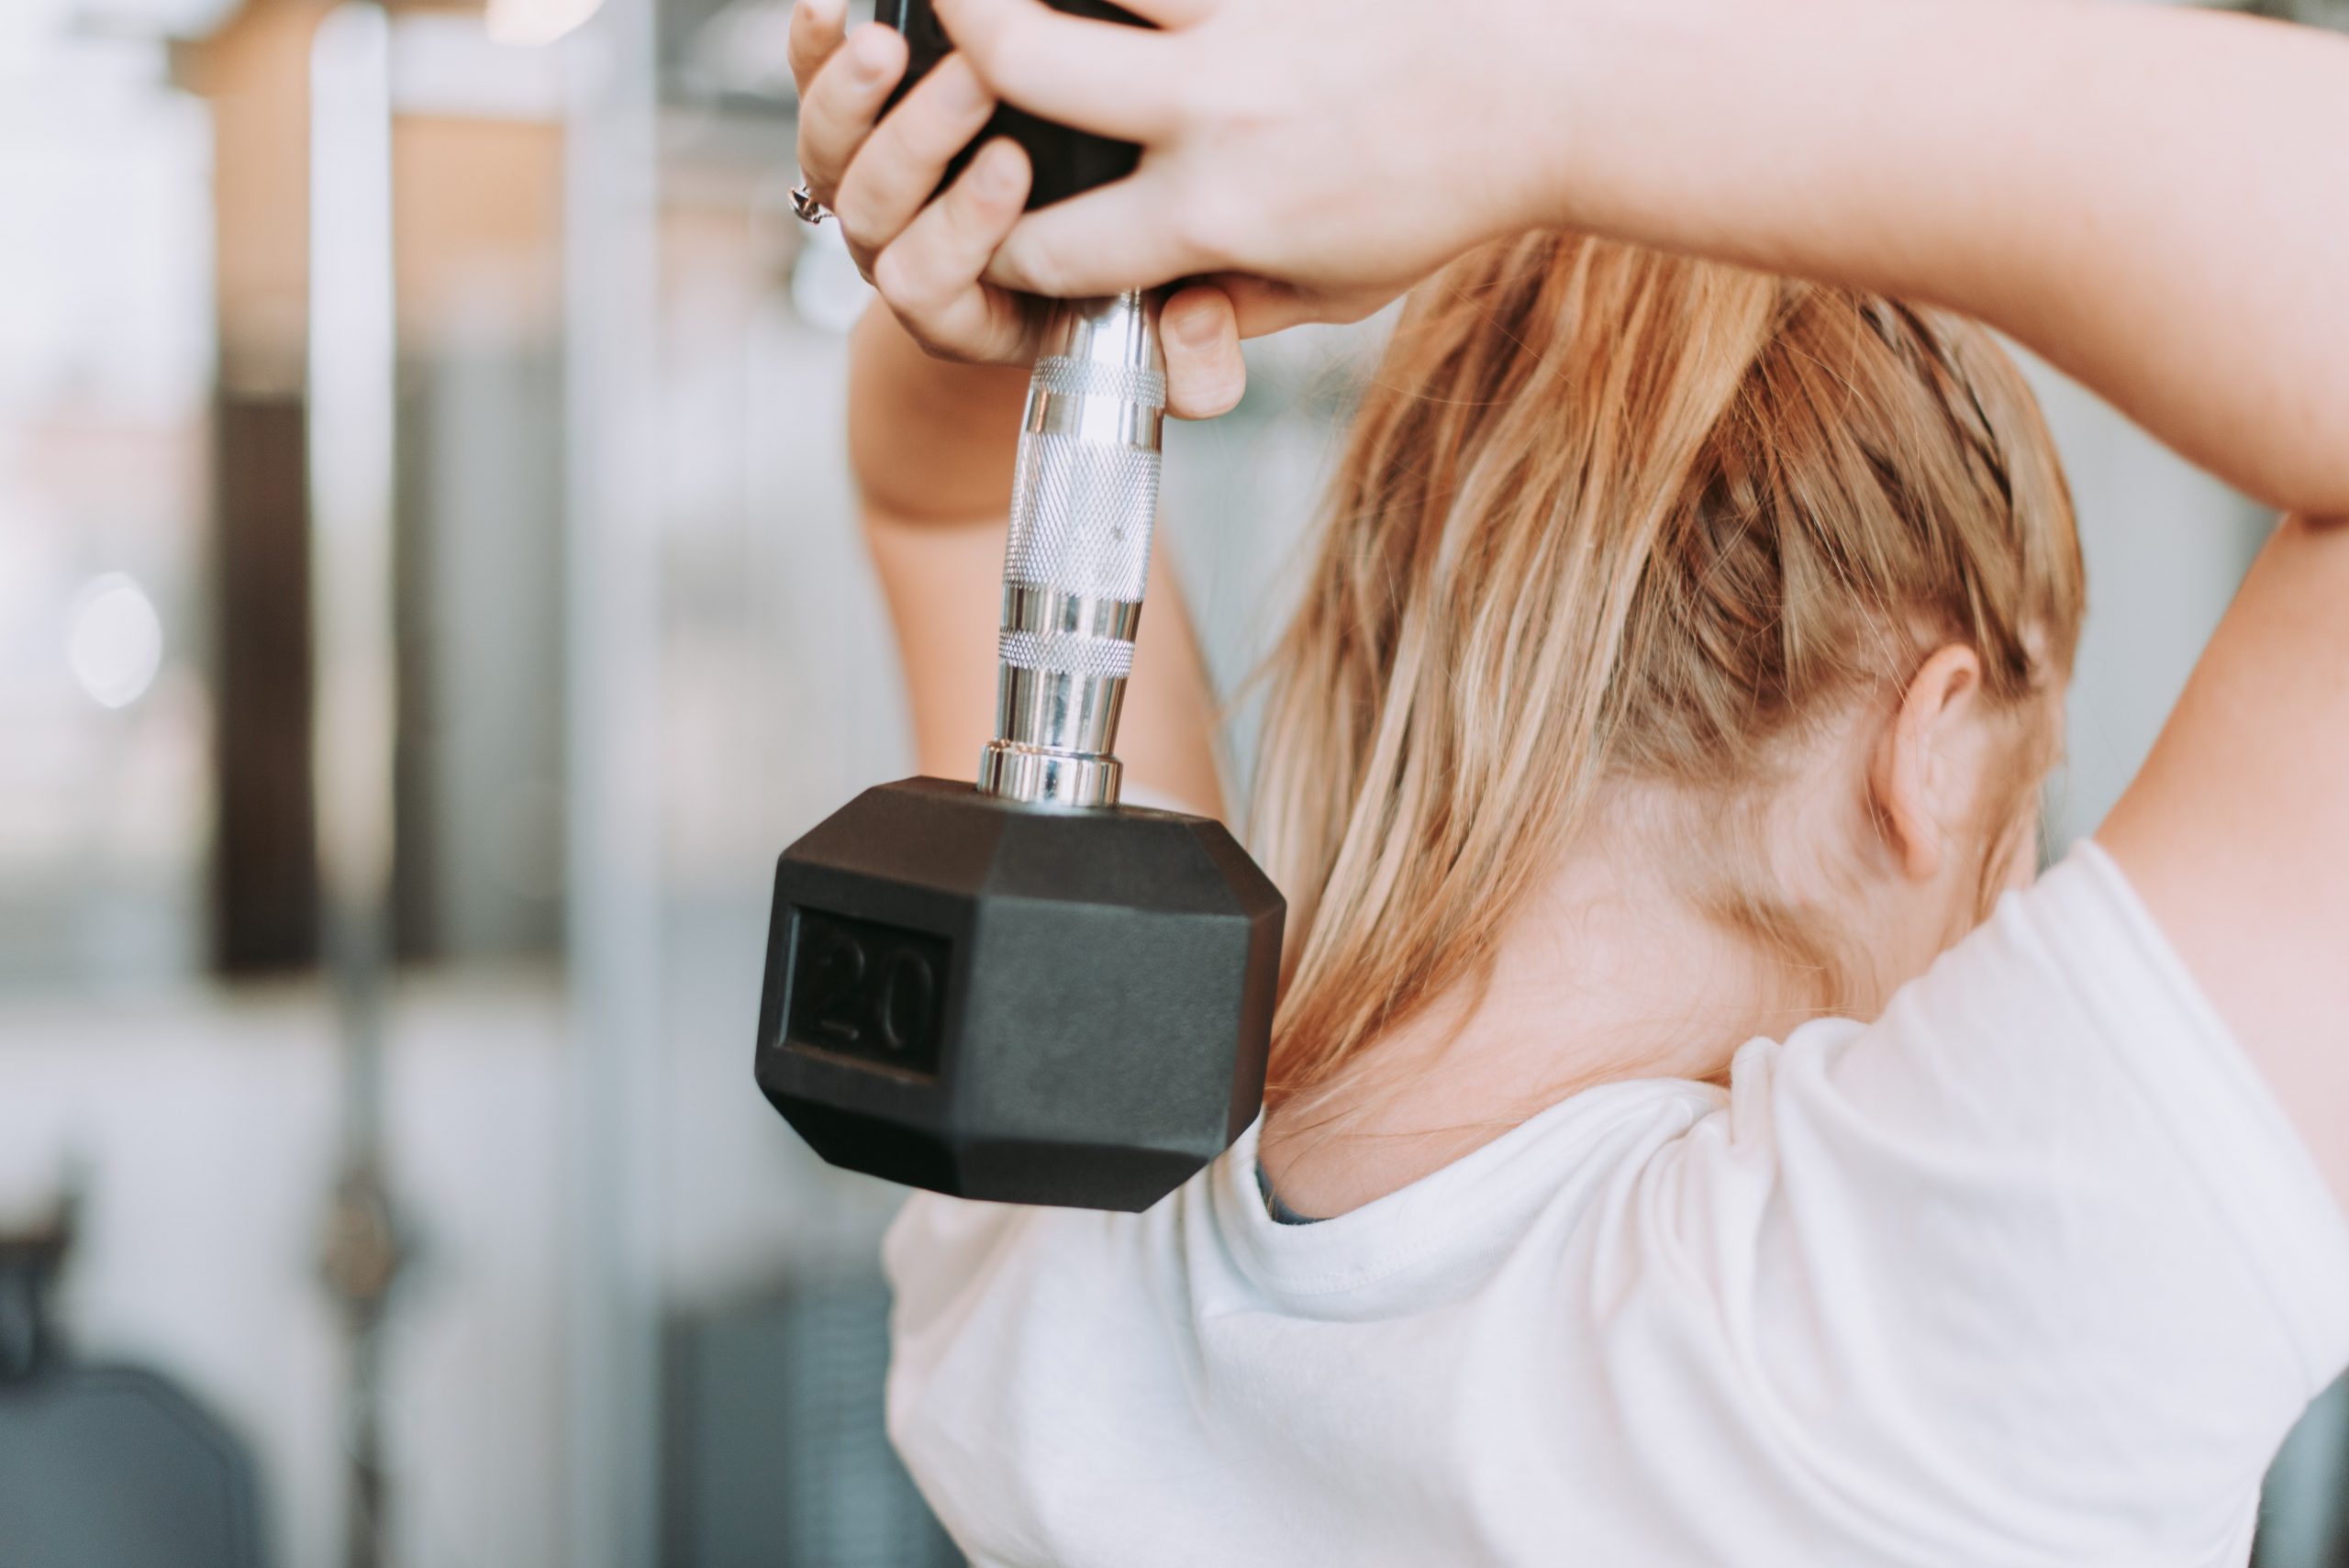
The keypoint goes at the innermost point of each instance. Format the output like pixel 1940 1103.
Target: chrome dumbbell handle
pixel 1083 500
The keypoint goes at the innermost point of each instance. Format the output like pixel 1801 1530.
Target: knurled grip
pixel 1076 564
pixel 1081 516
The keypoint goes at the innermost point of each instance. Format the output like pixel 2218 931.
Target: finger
pixel 1205 374
pixel 838 110
pixel 816 27
pixel 1173 13
pixel 900 164
pixel 1120 236
pixel 1099 76
pixel 931 275
pixel 1263 307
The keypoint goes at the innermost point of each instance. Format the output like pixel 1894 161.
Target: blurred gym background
pixel 381 1181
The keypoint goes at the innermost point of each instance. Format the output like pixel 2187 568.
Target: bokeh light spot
pixel 114 640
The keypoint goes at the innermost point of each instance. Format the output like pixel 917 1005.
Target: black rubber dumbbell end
pixel 1018 1004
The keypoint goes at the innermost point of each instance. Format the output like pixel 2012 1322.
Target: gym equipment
pixel 1063 162
pixel 774 1452
pixel 106 1467
pixel 1024 991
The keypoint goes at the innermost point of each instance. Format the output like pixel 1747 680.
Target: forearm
pixel 2157 201
pixel 929 440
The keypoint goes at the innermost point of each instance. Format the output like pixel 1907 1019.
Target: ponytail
pixel 1609 513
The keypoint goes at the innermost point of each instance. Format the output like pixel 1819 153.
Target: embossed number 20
pixel 896 1006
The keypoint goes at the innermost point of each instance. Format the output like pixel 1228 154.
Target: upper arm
pixel 942 582
pixel 2236 833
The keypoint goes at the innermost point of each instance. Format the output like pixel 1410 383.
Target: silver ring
pixel 806 207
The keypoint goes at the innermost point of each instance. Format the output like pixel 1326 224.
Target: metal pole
pixel 1076 564
pixel 352 366
pixel 612 655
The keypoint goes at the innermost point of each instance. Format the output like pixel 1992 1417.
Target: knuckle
pixel 1194 102
pixel 889 278
pixel 847 202
pixel 868 204
pixel 855 233
pixel 1205 223
pixel 904 284
pixel 820 169
pixel 1196 235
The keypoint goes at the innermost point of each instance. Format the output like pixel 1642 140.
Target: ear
pixel 1919 777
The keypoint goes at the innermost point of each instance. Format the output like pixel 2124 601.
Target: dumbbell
pixel 1062 163
pixel 1022 990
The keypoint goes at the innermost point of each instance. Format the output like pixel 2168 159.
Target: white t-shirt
pixel 2031 1271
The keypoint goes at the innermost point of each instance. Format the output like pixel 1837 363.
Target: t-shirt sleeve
pixel 2037 1246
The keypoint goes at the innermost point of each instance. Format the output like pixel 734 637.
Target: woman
pixel 1703 1172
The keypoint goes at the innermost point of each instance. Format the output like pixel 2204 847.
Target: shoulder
pixel 2067 979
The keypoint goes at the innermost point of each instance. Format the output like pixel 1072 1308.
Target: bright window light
pixel 531 22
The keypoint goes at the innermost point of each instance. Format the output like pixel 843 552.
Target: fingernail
pixel 1195 328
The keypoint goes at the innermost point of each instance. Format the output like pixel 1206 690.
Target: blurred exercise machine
pixel 106 1467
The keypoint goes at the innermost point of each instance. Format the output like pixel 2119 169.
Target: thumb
pixel 1205 374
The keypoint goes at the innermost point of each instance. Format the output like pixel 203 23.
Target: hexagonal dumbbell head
pixel 1023 1005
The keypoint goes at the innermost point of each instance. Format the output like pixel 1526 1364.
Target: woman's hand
pixel 1314 157
pixel 927 258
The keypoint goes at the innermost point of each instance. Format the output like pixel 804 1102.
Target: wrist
pixel 929 439
pixel 1625 84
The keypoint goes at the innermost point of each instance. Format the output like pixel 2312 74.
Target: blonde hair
pixel 1607 513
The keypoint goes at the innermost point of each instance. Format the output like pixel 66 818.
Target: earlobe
pixel 1910 776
